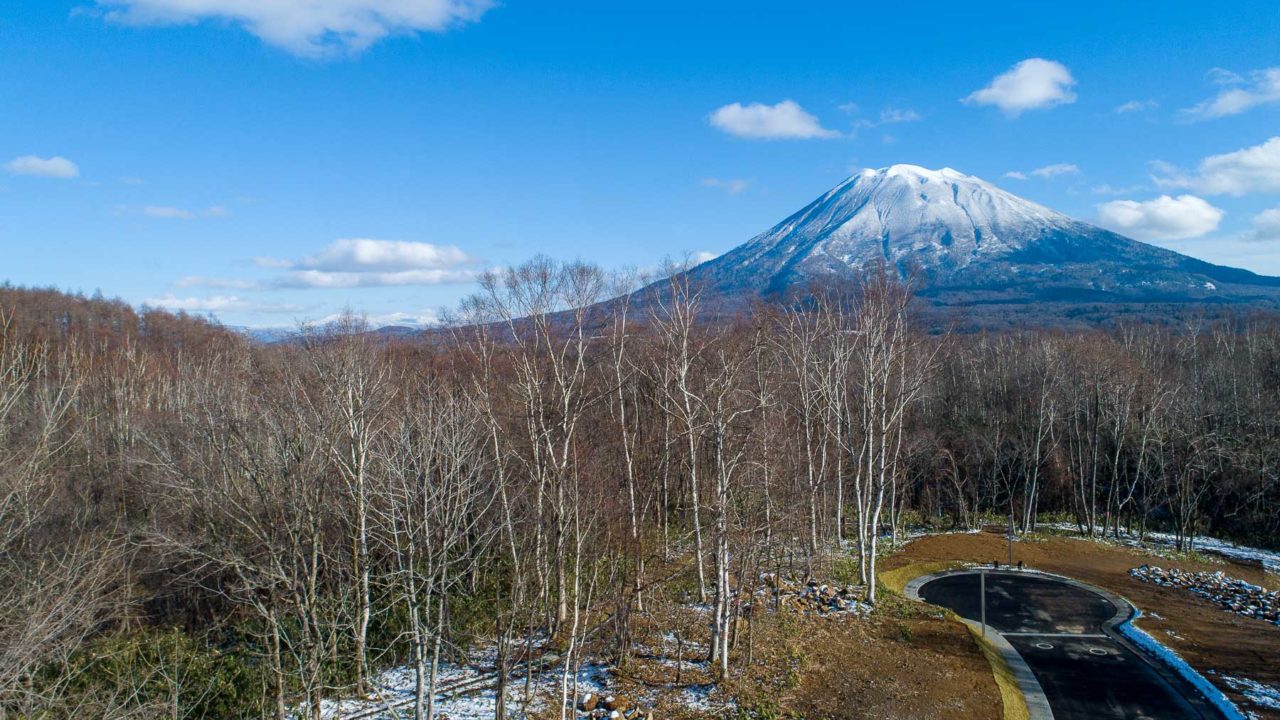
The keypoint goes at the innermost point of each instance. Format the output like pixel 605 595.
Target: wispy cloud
pixel 1032 84
pixel 1046 172
pixel 218 303
pixel 1238 94
pixel 191 281
pixel 1134 106
pixel 891 115
pixel 732 186
pixel 310 28
pixel 757 121
pixel 169 212
pixel 53 167
pixel 1049 171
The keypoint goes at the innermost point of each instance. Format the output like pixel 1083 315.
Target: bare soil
pixel 904 661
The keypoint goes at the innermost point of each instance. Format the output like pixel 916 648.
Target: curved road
pixel 1065 633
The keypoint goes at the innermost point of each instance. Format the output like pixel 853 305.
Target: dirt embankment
pixel 1209 638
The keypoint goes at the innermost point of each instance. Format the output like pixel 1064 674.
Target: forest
pixel 196 525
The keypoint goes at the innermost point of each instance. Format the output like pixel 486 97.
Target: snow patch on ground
pixel 474 697
pixel 1269 559
pixel 1261 695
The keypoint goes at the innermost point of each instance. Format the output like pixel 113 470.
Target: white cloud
pixel 311 28
pixel 166 212
pixel 733 186
pixel 1046 172
pixel 1249 170
pixel 322 279
pixel 1032 84
pixel 1056 169
pixel 216 303
pixel 362 255
pixel 757 121
pixel 703 256
pixel 1108 189
pixel 54 167
pixel 1164 218
pixel 218 283
pixel 169 212
pixel 1135 106
pixel 1252 169
pixel 1238 94
pixel 1266 225
pixel 889 115
pixel 361 262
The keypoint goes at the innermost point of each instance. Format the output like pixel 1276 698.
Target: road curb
pixel 1032 693
pixel 1209 701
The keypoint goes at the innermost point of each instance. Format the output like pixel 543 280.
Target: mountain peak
pixel 915 171
pixel 966 240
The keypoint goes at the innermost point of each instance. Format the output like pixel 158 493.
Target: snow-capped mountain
pixel 966 242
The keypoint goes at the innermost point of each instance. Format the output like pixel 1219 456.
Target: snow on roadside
pixel 1149 644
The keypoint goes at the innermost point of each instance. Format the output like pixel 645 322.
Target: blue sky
pixel 278 160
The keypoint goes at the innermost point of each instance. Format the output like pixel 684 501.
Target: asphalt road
pixel 1064 632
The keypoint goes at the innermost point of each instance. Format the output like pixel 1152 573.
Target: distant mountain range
pixel 969 244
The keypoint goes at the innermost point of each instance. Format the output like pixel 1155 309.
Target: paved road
pixel 1064 632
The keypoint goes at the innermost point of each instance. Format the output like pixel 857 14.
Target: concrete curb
pixel 1119 628
pixel 1037 704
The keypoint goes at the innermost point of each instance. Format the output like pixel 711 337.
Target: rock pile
pixel 1229 593
pixel 813 597
pixel 613 707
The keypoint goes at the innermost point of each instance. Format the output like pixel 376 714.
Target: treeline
pixel 192 525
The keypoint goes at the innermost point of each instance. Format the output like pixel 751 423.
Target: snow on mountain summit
pixel 909 214
pixel 964 240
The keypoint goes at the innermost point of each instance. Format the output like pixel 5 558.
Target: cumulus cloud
pixel 1238 94
pixel 1032 84
pixel 362 262
pixel 1266 225
pixel 54 167
pixel 703 256
pixel 1164 218
pixel 311 28
pixel 1253 169
pixel 733 186
pixel 757 121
